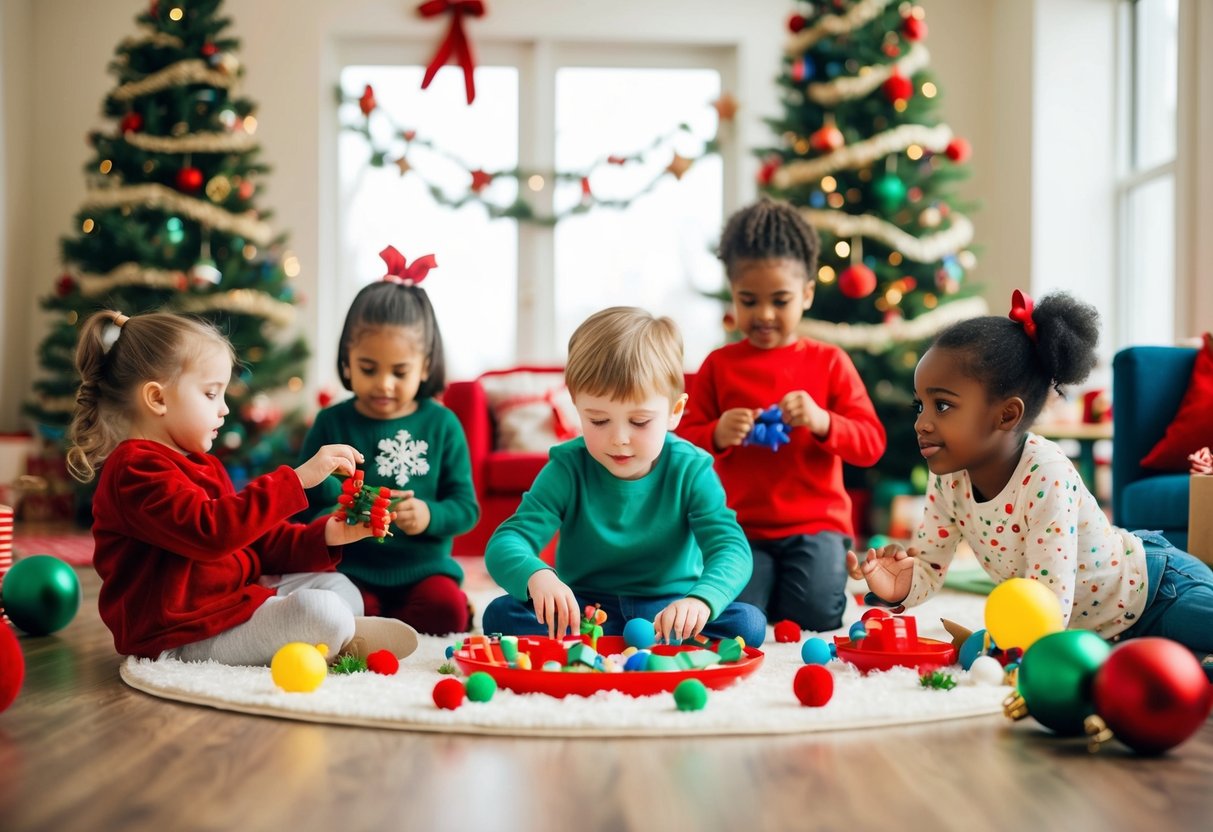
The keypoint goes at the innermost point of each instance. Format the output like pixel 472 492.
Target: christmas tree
pixel 169 222
pixel 871 167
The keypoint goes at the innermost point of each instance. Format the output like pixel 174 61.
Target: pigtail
pixel 92 435
pixel 1067 335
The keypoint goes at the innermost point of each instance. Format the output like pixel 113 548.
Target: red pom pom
pixel 826 139
pixel 787 632
pixel 796 23
pixel 189 180
pixel 898 87
pixel 914 28
pixel 959 150
pixel 448 694
pixel 857 281
pixel 12 666
pixel 384 663
pixel 813 685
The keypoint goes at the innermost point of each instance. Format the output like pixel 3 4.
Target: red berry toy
pixel 361 503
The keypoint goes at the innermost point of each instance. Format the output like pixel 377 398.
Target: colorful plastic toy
pixel 361 503
pixel 770 430
pixel 894 642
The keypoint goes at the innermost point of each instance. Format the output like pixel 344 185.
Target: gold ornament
pixel 726 107
pixel 218 188
pixel 679 165
pixel 403 164
pixel 180 129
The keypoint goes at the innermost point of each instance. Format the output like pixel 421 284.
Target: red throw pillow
pixel 1192 427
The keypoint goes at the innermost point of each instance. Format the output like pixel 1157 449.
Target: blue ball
pixel 973 647
pixel 638 661
pixel 638 633
pixel 815 651
pixel 858 632
pixel 450 650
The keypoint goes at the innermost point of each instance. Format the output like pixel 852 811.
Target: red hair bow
pixel 398 270
pixel 1021 313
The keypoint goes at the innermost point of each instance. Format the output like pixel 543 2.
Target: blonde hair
pixel 625 353
pixel 114 355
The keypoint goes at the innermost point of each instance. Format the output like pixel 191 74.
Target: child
pixel 644 529
pixel 1016 499
pixel 390 357
pixel 191 569
pixel 791 503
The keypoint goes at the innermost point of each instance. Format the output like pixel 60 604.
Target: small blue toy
pixel 770 430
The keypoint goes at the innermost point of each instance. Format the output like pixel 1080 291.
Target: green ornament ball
pixel 890 192
pixel 690 695
pixel 919 476
pixel 480 686
pixel 1055 678
pixel 41 594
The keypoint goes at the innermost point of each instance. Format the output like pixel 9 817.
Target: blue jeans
pixel 1179 604
pixel 802 578
pixel 508 615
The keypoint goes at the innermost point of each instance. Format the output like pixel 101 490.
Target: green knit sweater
pixel 667 533
pixel 425 452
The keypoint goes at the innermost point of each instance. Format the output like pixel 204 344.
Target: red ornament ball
pixel 131 123
pixel 826 139
pixel 208 49
pixel 65 285
pixel 769 166
pixel 12 666
pixel 959 150
pixel 813 685
pixel 189 180
pixel 1152 693
pixel 448 694
pixel 796 23
pixel 787 632
pixel 897 87
pixel 383 663
pixel 857 281
pixel 914 28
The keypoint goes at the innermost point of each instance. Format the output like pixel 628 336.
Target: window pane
pixel 477 258
pixel 1155 81
pixel 657 253
pixel 1149 286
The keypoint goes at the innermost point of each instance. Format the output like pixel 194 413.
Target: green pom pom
pixel 480 686
pixel 348 664
pixel 690 695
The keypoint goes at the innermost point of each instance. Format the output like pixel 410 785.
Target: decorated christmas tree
pixel 169 222
pixel 866 158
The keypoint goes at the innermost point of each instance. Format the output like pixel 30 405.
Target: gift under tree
pixel 170 222
pixel 866 159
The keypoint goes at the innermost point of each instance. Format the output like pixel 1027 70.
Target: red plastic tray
pixel 929 655
pixel 639 683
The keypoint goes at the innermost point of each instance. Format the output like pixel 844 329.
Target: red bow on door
pixel 456 42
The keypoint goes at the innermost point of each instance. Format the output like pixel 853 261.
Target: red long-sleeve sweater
pixel 179 551
pixel 797 489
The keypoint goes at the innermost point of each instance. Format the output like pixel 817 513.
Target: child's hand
pixel 681 620
pixel 888 571
pixel 734 426
pixel 412 515
pixel 337 532
pixel 800 410
pixel 555 604
pixel 328 459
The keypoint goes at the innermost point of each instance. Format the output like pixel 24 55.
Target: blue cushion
pixel 1156 503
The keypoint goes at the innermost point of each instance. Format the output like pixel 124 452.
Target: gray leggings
pixel 312 607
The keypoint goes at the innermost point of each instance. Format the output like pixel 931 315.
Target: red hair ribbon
pixel 1021 313
pixel 398 270
pixel 456 42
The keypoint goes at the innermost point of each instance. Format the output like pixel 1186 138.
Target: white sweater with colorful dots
pixel 1043 525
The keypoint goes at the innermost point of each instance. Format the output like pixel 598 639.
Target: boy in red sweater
pixel 791 502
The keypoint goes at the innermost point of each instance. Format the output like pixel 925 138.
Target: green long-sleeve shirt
pixel 667 533
pixel 425 452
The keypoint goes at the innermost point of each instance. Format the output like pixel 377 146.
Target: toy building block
pixel 361 503
pixel 661 664
pixel 509 649
pixel 696 659
pixel 482 649
pixel 770 430
pixel 581 653
pixel 730 650
pixel 891 634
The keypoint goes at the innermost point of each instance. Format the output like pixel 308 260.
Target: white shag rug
pixel 760 704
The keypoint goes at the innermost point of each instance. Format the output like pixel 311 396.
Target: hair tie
pixel 120 319
pixel 399 271
pixel 109 335
pixel 1021 313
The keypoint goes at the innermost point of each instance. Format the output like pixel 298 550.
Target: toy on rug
pixel 787 632
pixel 690 695
pixel 480 687
pixel 770 430
pixel 383 662
pixel 362 503
pixel 40 594
pixel 816 651
pixel 347 664
pixel 886 641
pixel 937 680
pixel 448 694
pixel 813 685
pixel 298 667
pixel 12 666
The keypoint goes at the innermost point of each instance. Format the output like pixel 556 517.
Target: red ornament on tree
pixel 897 87
pixel 796 23
pixel 767 172
pixel 189 180
pixel 857 281
pixel 827 139
pixel 367 102
pixel 959 150
pixel 914 28
pixel 480 180
pixel 245 189
pixel 1152 694
pixel 64 285
pixel 208 49
pixel 131 123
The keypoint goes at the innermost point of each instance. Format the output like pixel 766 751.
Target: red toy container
pixel 563 683
pixel 893 642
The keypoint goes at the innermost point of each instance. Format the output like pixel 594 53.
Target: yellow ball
pixel 298 667
pixel 1021 610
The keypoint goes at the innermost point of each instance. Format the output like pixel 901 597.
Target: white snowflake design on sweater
pixel 403 457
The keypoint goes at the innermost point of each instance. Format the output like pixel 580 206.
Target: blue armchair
pixel 1148 384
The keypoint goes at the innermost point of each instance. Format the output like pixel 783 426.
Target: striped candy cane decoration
pixel 6 548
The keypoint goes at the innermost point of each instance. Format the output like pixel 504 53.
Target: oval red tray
pixel 929 655
pixel 638 683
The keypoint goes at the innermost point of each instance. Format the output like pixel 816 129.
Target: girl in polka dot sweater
pixel 1017 500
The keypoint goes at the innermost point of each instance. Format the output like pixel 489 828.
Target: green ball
pixel 41 594
pixel 876 541
pixel 1055 677
pixel 890 192
pixel 690 695
pixel 919 477
pixel 480 686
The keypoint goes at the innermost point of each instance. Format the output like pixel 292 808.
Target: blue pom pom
pixel 638 633
pixel 450 651
pixel 815 651
pixel 638 661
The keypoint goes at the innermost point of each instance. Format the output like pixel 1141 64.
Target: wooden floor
pixel 80 751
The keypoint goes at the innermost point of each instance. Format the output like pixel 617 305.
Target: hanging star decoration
pixel 357 110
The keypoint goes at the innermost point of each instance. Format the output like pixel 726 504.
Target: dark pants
pixel 508 615
pixel 435 605
pixel 802 578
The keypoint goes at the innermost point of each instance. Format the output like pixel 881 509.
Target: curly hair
pixel 768 230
